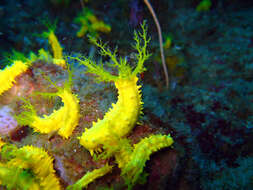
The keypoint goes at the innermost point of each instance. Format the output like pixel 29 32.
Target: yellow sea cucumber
pixel 8 75
pixel 110 132
pixel 65 119
pixel 118 121
pixel 131 159
pixel 141 153
pixel 90 177
pixel 56 47
pixel 29 167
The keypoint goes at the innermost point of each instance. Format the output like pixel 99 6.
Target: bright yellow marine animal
pixel 110 133
pixel 118 121
pixel 8 75
pixel 55 45
pixel 90 177
pixel 64 120
pixel 27 168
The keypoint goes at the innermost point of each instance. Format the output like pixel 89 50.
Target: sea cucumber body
pixel 40 163
pixel 53 41
pixel 90 177
pixel 8 75
pixel 141 153
pixel 119 120
pixel 64 119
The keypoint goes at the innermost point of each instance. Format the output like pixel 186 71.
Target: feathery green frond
pixel 104 51
pixel 26 116
pixel 141 42
pixel 99 71
pixel 124 69
pixel 10 57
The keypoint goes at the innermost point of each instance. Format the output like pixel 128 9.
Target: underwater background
pixel 206 106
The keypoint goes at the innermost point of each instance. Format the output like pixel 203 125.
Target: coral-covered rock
pixel 7 121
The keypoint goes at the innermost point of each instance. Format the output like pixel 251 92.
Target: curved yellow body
pixel 132 169
pixel 121 118
pixel 90 177
pixel 56 48
pixel 118 121
pixel 41 164
pixel 65 119
pixel 8 75
pixel 29 159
